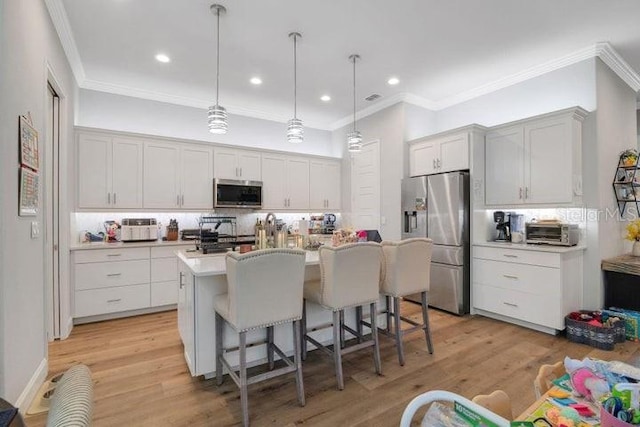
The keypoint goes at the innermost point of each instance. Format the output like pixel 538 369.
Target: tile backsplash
pixel 94 221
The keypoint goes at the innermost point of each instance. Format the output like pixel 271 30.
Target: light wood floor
pixel 141 378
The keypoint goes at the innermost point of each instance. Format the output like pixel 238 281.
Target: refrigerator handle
pixel 406 222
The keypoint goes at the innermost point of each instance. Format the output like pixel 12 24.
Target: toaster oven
pixel 139 229
pixel 552 233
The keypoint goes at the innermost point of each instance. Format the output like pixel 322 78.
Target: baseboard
pixel 34 384
pixel 518 322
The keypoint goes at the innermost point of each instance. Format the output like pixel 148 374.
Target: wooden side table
pixel 622 282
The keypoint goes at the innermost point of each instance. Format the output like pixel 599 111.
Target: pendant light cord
pixel 295 77
pixel 218 56
pixel 354 93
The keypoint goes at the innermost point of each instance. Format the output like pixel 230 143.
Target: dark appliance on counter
pixel 437 206
pixel 329 225
pixel 231 193
pixel 503 226
pixel 210 240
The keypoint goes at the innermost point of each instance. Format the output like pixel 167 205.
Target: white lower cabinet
pixel 109 281
pixel 531 288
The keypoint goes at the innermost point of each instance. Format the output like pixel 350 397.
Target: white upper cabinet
pixel 535 161
pixel 178 176
pixel 324 185
pixel 237 164
pixel 439 153
pixel 285 182
pixel 109 172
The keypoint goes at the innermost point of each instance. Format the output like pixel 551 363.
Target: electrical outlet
pixel 35 230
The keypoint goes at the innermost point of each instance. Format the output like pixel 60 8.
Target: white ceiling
pixel 442 51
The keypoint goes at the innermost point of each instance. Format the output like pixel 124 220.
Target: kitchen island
pixel 202 280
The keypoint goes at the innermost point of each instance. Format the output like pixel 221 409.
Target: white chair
pixel 349 277
pixel 407 269
pixel 264 289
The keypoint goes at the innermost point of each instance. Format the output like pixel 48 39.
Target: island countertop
pixel 214 265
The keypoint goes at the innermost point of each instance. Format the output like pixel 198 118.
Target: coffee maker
pixel 503 226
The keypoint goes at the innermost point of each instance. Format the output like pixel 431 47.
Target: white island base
pixel 202 280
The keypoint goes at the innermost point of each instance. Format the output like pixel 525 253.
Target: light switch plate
pixel 35 230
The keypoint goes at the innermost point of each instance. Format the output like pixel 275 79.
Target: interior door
pixel 365 187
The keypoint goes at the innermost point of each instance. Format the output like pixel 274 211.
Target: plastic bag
pixel 440 415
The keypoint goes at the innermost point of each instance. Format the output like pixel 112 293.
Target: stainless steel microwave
pixel 552 233
pixel 231 193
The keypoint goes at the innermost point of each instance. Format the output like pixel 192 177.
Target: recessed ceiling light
pixel 325 98
pixel 393 81
pixel 161 57
pixel 256 81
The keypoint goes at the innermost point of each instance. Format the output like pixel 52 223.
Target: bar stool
pixel 350 277
pixel 407 271
pixel 264 289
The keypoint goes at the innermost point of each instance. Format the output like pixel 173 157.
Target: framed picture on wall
pixel 29 192
pixel 28 137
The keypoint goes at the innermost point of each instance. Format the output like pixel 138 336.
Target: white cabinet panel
pixel 324 185
pixel 298 183
pixel 196 177
pixel 274 182
pixel 512 276
pixel 225 164
pixel 94 171
pixel 454 153
pixel 439 153
pixel 250 164
pixel 237 164
pixel 110 300
pixel 161 175
pixel 504 150
pixel 126 173
pixel 107 274
pixel 544 259
pixel 423 158
pixel 164 293
pixel 110 255
pixel 164 269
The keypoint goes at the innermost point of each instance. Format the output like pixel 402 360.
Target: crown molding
pixel 609 56
pixel 188 102
pixel 60 21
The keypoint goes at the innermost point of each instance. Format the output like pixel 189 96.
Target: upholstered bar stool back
pixel 407 271
pixel 264 290
pixel 350 277
pixel 265 287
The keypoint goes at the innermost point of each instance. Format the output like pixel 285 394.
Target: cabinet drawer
pixel 107 274
pixel 542 310
pixel 520 256
pixel 110 300
pixel 104 255
pixel 531 279
pixel 165 252
pixel 163 293
pixel 164 269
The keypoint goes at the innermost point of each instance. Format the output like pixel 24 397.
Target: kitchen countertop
pixel 531 247
pixel 119 245
pixel 214 264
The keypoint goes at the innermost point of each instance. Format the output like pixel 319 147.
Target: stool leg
pixel 337 351
pixel 270 347
pixel 219 349
pixel 298 362
pixel 398 327
pixel 373 309
pixel 244 395
pixel 303 339
pixel 341 329
pixel 425 320
pixel 359 323
pixel 387 299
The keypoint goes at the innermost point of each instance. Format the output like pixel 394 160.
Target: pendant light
pixel 217 113
pixel 354 138
pixel 295 131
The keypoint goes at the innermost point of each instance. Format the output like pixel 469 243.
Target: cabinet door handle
pixel 108 198
pixel 114 198
pixel 526 192
pixel 434 163
pixel 177 199
pixel 508 276
pixel 114 300
pixel 236 171
pixel 510 304
pixel 114 274
pixel 180 282
pixel 439 164
pixel 510 256
pixel 240 171
pixel 114 254
pixel 520 196
pixel 182 200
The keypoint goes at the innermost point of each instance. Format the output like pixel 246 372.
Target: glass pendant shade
pixel 295 131
pixel 354 141
pixel 217 119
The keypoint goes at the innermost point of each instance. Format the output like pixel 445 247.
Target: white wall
pixel 616 130
pixel 558 89
pixel 387 126
pixel 27 42
pixel 116 112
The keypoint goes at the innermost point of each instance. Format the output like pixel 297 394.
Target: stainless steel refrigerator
pixel 437 206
